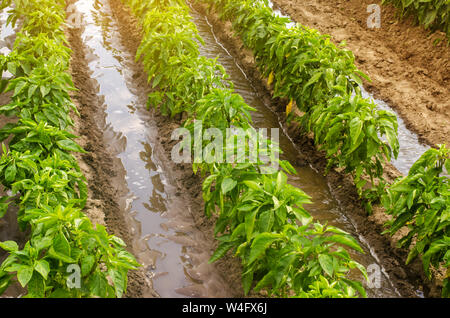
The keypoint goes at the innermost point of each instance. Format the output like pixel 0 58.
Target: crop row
pixel 260 217
pixel 432 14
pixel 65 255
pixel 305 67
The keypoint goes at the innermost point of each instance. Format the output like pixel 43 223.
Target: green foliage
pixel 37 17
pixel 44 176
pixel 348 128
pixel 421 202
pixel 304 66
pixel 432 14
pixel 258 219
pixel 261 217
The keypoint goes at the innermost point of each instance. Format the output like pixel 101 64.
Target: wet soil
pixel 409 67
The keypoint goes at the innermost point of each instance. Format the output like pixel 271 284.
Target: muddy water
pixel 410 147
pixel 324 208
pixel 173 251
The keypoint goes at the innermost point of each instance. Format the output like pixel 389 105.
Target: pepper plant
pixel 421 203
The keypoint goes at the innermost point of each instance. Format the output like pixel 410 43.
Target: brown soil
pixel 407 279
pixel 408 71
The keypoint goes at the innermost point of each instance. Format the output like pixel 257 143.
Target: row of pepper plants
pixel 260 217
pixel 306 68
pixel 432 14
pixel 65 254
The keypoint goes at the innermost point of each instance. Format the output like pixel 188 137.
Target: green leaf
pixel 9 246
pixel 281 181
pixel 266 221
pixel 70 145
pixel 87 263
pixel 326 262
pixel 44 90
pixel 250 223
pixel 357 286
pixel 42 243
pixel 36 286
pixel 355 129
pixel 60 256
pixel 265 281
pixel 237 232
pixel 252 185
pixel 61 249
pixel 313 80
pixel 223 248
pixel 247 281
pixel 98 285
pixel 228 184
pixel 157 80
pixel 346 240
pixel 260 244
pixel 61 244
pixel 19 87
pixel 24 275
pixel 5 281
pixel 10 173
pixel 11 66
pixel 60 293
pixel 434 248
pixel 42 267
pixel 411 197
pixel 31 90
pixel 118 241
pixel 119 279
pixel 302 215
